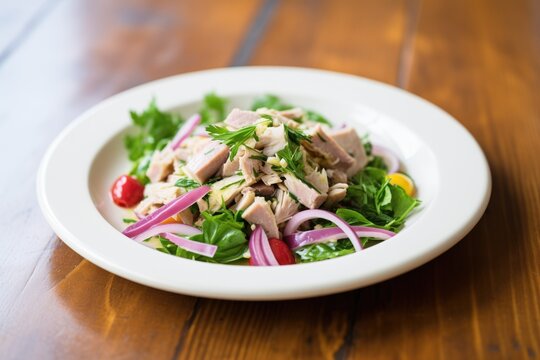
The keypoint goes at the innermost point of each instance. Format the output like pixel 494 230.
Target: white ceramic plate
pixel 450 170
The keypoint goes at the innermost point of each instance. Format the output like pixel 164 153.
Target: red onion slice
pixel 390 159
pixel 166 211
pixel 267 250
pixel 196 247
pixel 260 250
pixel 185 131
pixel 306 215
pixel 303 238
pixel 180 229
pixel 255 250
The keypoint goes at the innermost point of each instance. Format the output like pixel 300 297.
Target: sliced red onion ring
pixel 166 211
pixel 196 247
pixel 185 131
pixel 306 215
pixel 267 250
pixel 255 250
pixel 181 229
pixel 303 238
pixel 260 250
pixel 390 159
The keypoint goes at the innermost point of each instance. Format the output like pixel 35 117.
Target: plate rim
pixel 284 292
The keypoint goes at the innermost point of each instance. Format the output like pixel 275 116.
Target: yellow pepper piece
pixel 402 181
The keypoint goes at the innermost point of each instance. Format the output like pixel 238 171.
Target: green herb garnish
pixel 372 200
pixel 213 109
pixel 186 183
pixel 154 129
pixel 232 138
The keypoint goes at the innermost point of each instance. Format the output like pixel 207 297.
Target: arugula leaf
pixel 154 129
pixel 324 251
pixel 353 217
pixel 371 198
pixel 232 138
pixel 187 183
pixel 213 109
pixel 331 249
pixel 226 230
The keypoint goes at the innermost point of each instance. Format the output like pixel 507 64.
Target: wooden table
pixel 479 60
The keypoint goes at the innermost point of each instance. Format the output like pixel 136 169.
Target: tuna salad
pixel 272 185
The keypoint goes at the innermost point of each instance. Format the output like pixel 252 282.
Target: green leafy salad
pixel 272 185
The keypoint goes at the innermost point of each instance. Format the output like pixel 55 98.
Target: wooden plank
pixel 480 299
pixel 479 61
pixel 53 303
pixel 358 37
pixel 328 35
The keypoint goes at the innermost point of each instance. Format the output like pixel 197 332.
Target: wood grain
pixel 479 60
pixel 53 303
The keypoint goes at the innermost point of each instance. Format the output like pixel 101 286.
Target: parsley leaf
pixel 295 135
pixel 213 109
pixel 154 129
pixel 232 138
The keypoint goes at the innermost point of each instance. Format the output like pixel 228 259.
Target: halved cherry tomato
pixel 281 251
pixel 127 191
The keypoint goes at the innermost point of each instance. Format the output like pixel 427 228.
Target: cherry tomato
pixel 127 191
pixel 281 251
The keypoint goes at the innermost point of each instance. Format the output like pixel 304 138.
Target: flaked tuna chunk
pixel 250 167
pixel 246 198
pixel 294 113
pixel 337 176
pixel 260 213
pixel 351 142
pixel 331 153
pixel 190 147
pixel 205 164
pixel 319 180
pixel 336 193
pixel 239 118
pixel 307 196
pixel 185 217
pixel 271 179
pixel 277 117
pixel 156 195
pixel 230 167
pixel 161 165
pixel 224 191
pixel 286 206
pixel 272 140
